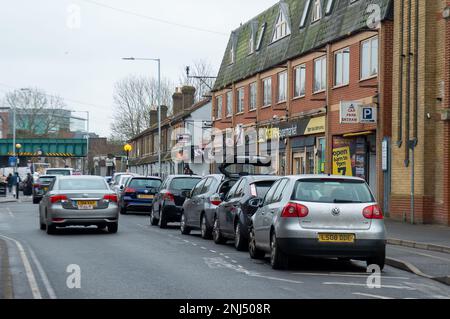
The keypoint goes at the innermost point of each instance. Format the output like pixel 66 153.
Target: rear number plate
pixel 86 205
pixel 337 238
pixel 145 196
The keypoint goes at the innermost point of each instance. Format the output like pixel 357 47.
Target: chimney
pixel 164 110
pixel 188 93
pixel 153 116
pixel 177 98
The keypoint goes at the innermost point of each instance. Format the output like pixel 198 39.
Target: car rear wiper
pixel 343 201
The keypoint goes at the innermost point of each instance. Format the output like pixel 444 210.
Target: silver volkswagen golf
pixel 318 216
pixel 79 201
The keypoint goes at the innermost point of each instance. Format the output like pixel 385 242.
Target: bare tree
pixel 200 73
pixel 133 99
pixel 37 113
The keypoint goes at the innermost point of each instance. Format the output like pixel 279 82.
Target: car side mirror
pixel 186 194
pixel 255 203
pixel 121 187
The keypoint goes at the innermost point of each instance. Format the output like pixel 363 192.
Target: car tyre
pixel 42 226
pixel 153 220
pixel 254 252
pixel 51 229
pixel 185 230
pixel 123 210
pixel 240 241
pixel 113 228
pixel 162 223
pixel 36 200
pixel 278 259
pixel 378 260
pixel 217 235
pixel 206 231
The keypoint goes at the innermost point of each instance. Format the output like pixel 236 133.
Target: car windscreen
pixel 262 188
pixel 248 169
pixel 182 183
pixel 82 184
pixel 45 180
pixel 63 172
pixel 332 191
pixel 144 183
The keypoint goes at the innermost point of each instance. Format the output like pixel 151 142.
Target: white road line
pixel 227 257
pixel 422 254
pixel 194 244
pixel 213 251
pixel 345 275
pixel 48 286
pixel 28 269
pixel 278 279
pixel 10 213
pixel 365 285
pixel 371 296
pixel 203 248
pixel 234 261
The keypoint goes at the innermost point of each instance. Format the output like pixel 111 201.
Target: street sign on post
pixel 12 161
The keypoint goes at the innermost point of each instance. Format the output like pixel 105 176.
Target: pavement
pixel 421 249
pixel 142 261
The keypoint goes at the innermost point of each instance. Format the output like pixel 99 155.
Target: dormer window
pixel 233 48
pixel 282 28
pixel 305 13
pixel 252 40
pixel 329 7
pixel 260 36
pixel 232 55
pixel 317 10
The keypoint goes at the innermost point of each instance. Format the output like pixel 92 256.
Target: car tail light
pixel 36 185
pixel 58 220
pixel 215 200
pixel 130 190
pixel 111 197
pixel 168 196
pixel 58 198
pixel 253 190
pixel 295 210
pixel 373 212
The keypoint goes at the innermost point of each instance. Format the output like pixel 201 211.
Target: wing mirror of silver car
pixel 255 202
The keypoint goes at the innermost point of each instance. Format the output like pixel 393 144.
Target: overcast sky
pixel 42 46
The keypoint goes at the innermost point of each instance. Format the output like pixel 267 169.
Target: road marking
pixel 345 275
pixel 28 269
pixel 203 248
pixel 10 213
pixel 186 241
pixel 365 285
pixel 194 244
pixel 234 261
pixel 422 254
pixel 48 286
pixel 227 257
pixel 372 296
pixel 213 251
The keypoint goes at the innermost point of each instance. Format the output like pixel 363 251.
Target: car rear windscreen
pixel 82 184
pixel 262 188
pixel 182 183
pixel 332 191
pixel 64 172
pixel 145 183
pixel 45 180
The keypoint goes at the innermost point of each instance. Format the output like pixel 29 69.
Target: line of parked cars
pixel 283 216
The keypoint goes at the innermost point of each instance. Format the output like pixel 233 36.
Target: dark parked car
pixel 168 203
pixel 138 193
pixel 233 215
pixel 200 206
pixel 40 188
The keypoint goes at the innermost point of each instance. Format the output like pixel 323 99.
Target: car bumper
pixel 172 213
pixel 65 217
pixel 137 204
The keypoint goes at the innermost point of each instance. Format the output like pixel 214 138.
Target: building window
pixel 342 67
pixel 369 58
pixel 219 106
pixel 281 27
pixel 240 100
pixel 320 74
pixel 252 96
pixel 267 91
pixel 299 81
pixel 329 7
pixel 282 87
pixel 305 13
pixel 229 104
pixel 317 10
pixel 260 36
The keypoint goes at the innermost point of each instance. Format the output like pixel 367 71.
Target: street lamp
pixel 17 148
pixel 128 148
pixel 159 104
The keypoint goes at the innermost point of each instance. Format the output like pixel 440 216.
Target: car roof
pixel 324 176
pixel 61 177
pixel 186 176
pixel 261 178
pixel 47 176
pixel 146 177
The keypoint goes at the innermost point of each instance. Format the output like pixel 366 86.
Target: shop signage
pixel 384 155
pixel 308 126
pixel 368 114
pixel 349 112
pixel 342 163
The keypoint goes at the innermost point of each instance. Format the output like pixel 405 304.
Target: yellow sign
pixel 315 126
pixel 342 162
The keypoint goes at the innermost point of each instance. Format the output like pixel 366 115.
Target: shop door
pixel 299 163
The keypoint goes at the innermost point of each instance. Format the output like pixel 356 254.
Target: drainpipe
pixel 400 78
pixel 408 85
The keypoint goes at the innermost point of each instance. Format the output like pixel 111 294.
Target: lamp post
pixel 159 104
pixel 128 148
pixel 17 148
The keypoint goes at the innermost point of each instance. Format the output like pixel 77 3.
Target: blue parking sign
pixel 368 114
pixel 12 161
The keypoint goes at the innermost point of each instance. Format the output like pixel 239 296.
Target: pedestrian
pixel 16 182
pixel 28 187
pixel 187 170
pixel 9 182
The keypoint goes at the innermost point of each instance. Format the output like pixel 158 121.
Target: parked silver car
pixel 81 201
pixel 318 216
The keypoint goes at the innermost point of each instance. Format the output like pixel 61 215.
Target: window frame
pixel 240 95
pixel 219 114
pixel 285 76
pixel 229 104
pixel 369 41
pixel 344 82
pixel 317 9
pixel 269 92
pixel 252 95
pixel 299 68
pixel 323 60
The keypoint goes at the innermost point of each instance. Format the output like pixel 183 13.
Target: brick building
pixel 304 70
pixel 421 112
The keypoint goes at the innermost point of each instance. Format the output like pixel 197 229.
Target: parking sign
pixel 368 114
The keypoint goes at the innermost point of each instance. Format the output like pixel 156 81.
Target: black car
pixel 200 206
pixel 233 215
pixel 139 193
pixel 168 203
pixel 41 186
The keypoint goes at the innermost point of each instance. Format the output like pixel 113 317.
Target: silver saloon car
pixel 79 201
pixel 318 216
